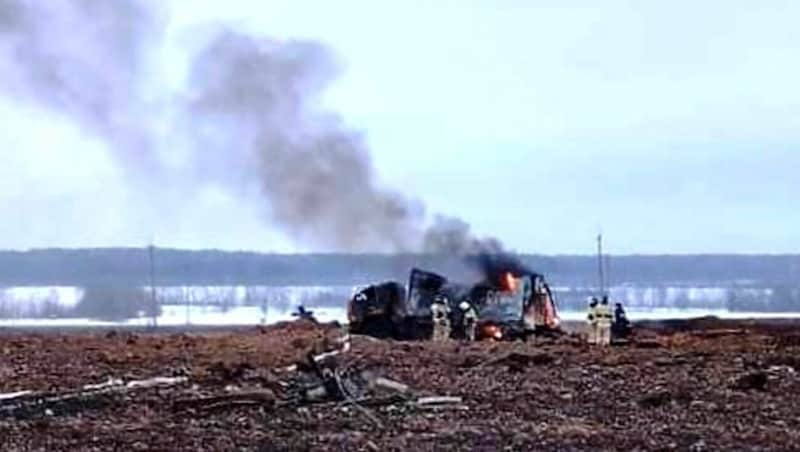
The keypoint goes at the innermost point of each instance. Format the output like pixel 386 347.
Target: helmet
pixel 464 306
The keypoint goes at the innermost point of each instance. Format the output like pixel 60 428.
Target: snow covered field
pixel 666 313
pixel 239 305
pixel 177 315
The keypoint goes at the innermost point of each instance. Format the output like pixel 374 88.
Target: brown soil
pixel 721 386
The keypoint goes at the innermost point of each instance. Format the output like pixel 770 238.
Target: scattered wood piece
pixel 157 381
pixel 14 395
pixel 459 407
pixel 109 384
pixel 439 400
pixel 392 385
pixel 367 338
pixel 27 402
pixel 438 403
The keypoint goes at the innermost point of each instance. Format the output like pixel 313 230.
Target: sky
pixel 672 127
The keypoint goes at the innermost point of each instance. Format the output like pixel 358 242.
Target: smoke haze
pixel 247 119
pixel 86 60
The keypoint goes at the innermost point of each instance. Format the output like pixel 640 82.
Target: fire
pixel 492 332
pixel 510 282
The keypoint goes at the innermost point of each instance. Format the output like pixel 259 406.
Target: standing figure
pixel 469 320
pixel 622 326
pixel 591 321
pixel 604 320
pixel 440 313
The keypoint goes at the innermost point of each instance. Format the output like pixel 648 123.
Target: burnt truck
pixel 512 305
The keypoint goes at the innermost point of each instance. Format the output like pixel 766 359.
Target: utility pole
pixel 153 300
pixel 600 264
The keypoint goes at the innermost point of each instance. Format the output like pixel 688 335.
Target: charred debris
pixel 509 302
pixel 330 380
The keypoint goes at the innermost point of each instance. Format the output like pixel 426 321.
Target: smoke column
pixel 84 59
pixel 316 175
pixel 248 117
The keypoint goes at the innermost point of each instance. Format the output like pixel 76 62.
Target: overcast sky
pixel 673 127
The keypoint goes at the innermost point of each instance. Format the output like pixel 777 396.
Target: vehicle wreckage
pixel 512 303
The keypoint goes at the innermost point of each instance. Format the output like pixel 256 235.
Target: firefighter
pixel 440 313
pixel 469 320
pixel 622 326
pixel 540 307
pixel 591 320
pixel 604 320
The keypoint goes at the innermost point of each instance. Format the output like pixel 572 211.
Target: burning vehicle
pixel 511 304
pixel 516 307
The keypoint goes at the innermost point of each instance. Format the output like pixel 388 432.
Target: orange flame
pixel 492 332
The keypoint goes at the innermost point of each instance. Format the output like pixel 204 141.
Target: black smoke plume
pixel 316 174
pixel 495 265
pixel 248 118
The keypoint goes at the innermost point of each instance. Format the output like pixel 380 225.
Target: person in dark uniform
pixel 303 314
pixel 622 326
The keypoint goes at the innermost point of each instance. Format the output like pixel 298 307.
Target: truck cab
pixel 518 307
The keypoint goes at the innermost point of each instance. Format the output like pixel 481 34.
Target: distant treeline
pixel 131 267
pixel 119 302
